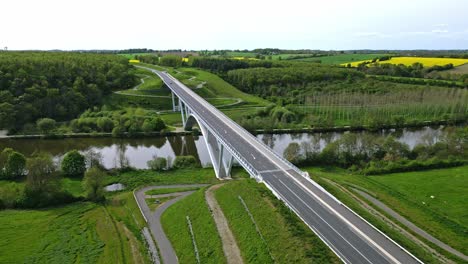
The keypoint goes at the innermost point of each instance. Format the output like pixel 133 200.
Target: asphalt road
pixel 349 236
pixel 153 219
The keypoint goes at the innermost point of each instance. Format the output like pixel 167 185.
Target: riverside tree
pixel 73 164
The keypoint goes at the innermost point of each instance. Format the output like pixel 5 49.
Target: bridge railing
pixel 214 109
pixel 244 162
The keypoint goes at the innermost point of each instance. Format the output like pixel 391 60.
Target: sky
pixel 240 24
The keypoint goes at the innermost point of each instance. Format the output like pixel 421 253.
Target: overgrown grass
pixel 444 217
pixel 287 238
pixel 175 226
pixel 77 233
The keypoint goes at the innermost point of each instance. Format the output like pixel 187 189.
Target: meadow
pixel 344 58
pixel 286 238
pixel 206 235
pixel 408 61
pixel 443 216
pixel 77 233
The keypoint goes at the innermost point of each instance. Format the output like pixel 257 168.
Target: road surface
pixel 348 235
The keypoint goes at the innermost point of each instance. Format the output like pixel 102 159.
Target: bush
pixel 93 183
pixel 157 163
pixel 181 162
pixel 73 164
pixel 46 125
pixel 15 165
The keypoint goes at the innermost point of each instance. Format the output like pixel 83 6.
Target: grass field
pixel 462 69
pixel 444 216
pixel 76 233
pixel 427 62
pixel 344 58
pixel 133 179
pixel 206 236
pixel 286 237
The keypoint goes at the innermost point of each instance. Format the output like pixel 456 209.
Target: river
pixel 138 151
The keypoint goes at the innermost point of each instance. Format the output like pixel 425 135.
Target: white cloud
pixel 371 35
pixel 439 31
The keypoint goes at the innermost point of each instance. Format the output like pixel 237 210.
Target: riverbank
pixel 180 132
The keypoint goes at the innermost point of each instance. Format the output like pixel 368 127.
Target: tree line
pixel 372 154
pixel 56 85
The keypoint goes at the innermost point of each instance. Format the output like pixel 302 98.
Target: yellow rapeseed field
pixel 185 59
pixel 134 61
pixel 427 62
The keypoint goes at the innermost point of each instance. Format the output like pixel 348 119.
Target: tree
pixel 42 182
pixel 293 152
pixel 73 164
pixel 157 163
pixel 15 165
pixel 93 183
pixel 46 125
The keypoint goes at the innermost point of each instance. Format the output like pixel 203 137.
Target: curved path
pixel 154 218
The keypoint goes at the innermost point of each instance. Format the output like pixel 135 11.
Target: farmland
pixel 344 58
pixel 427 62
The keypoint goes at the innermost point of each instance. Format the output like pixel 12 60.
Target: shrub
pixel 93 183
pixel 185 162
pixel 46 125
pixel 73 164
pixel 15 165
pixel 157 163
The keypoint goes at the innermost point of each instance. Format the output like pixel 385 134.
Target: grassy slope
pixel 76 233
pixel 175 225
pixel 404 192
pixel 288 239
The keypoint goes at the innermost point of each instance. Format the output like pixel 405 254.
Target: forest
pixel 56 85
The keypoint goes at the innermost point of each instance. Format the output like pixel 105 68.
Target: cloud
pixel 371 35
pixel 441 25
pixel 439 31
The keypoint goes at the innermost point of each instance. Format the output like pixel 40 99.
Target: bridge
pixel 348 235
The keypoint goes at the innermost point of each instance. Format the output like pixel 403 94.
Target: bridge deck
pixel 348 235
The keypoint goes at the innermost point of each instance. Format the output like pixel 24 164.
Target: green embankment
pixel 287 239
pixel 206 236
pixel 443 216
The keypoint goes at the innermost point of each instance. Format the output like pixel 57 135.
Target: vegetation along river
pixel 137 151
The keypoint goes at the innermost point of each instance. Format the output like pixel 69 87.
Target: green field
pixel 344 58
pixel 444 216
pixel 206 235
pixel 287 239
pixel 133 179
pixel 76 233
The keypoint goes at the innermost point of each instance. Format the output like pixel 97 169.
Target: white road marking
pixel 310 208
pixel 253 142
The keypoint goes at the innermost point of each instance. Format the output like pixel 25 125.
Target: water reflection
pixel 137 152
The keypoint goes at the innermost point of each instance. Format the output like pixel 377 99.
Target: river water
pixel 137 152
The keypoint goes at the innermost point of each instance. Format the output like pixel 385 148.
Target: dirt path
pixel 230 248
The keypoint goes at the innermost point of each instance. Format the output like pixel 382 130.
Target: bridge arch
pixel 220 157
